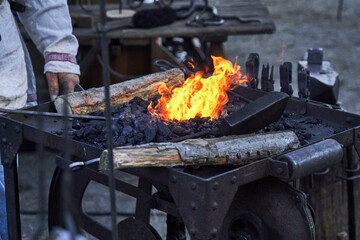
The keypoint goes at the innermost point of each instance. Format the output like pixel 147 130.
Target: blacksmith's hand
pixel 61 83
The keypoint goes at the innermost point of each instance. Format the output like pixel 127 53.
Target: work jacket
pixel 48 24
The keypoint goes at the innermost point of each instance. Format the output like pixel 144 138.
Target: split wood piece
pixel 93 99
pixel 212 151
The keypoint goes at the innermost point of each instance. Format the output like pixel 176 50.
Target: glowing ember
pixel 198 96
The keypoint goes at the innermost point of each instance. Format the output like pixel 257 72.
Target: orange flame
pixel 198 96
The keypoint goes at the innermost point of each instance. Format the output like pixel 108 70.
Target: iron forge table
pixel 215 202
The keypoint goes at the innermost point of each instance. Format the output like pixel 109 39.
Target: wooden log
pixel 213 151
pixel 93 99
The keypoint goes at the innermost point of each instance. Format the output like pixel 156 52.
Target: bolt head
pixel 173 179
pixel 192 231
pixel 193 186
pixel 214 232
pixel 348 120
pixel 193 206
pixel 279 170
pixel 216 186
pixel 4 140
pixel 233 179
pixel 6 163
pixel 3 124
pixel 17 129
pixel 214 206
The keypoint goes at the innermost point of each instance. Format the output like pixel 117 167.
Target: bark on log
pixel 213 151
pixel 93 99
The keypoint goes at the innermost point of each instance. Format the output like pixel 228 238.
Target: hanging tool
pixel 286 78
pixel 201 21
pixel 252 69
pixel 304 83
pixel 267 80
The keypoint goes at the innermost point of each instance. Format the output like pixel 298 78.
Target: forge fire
pixel 199 96
pixel 195 109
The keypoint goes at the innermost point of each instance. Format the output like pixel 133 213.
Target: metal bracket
pixel 203 203
pixel 279 169
pixel 11 135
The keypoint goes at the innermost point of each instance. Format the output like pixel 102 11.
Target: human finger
pixel 53 84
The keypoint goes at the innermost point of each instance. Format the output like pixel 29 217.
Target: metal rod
pixel 120 6
pixel 41 181
pixel 339 10
pixel 106 79
pixel 12 200
pixel 67 186
pixel 50 114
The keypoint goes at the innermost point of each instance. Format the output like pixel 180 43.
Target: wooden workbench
pixel 247 9
pixel 140 45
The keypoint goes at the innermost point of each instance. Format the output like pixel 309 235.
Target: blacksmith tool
pixel 51 114
pixel 286 78
pixel 61 104
pixel 75 166
pixel 255 115
pixel 267 79
pixel 252 69
pixel 165 65
pixel 213 20
pixel 304 83
pixel 324 81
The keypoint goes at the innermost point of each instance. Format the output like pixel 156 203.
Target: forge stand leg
pixel 12 202
pixel 11 135
pixel 202 203
pixel 143 206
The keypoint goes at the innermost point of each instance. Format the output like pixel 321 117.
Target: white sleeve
pixel 49 26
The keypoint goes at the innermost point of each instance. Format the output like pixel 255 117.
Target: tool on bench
pixel 267 78
pixel 213 20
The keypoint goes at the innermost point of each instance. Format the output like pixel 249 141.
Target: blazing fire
pixel 198 96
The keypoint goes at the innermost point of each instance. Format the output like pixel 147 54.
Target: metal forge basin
pixel 202 198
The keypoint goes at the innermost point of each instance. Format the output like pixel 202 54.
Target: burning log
pixel 92 100
pixel 212 151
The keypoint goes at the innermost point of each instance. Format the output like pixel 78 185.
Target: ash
pixel 308 129
pixel 134 125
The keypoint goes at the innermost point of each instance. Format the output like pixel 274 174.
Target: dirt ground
pixel 300 24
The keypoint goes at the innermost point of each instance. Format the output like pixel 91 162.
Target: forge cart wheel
pixel 129 228
pixel 268 209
